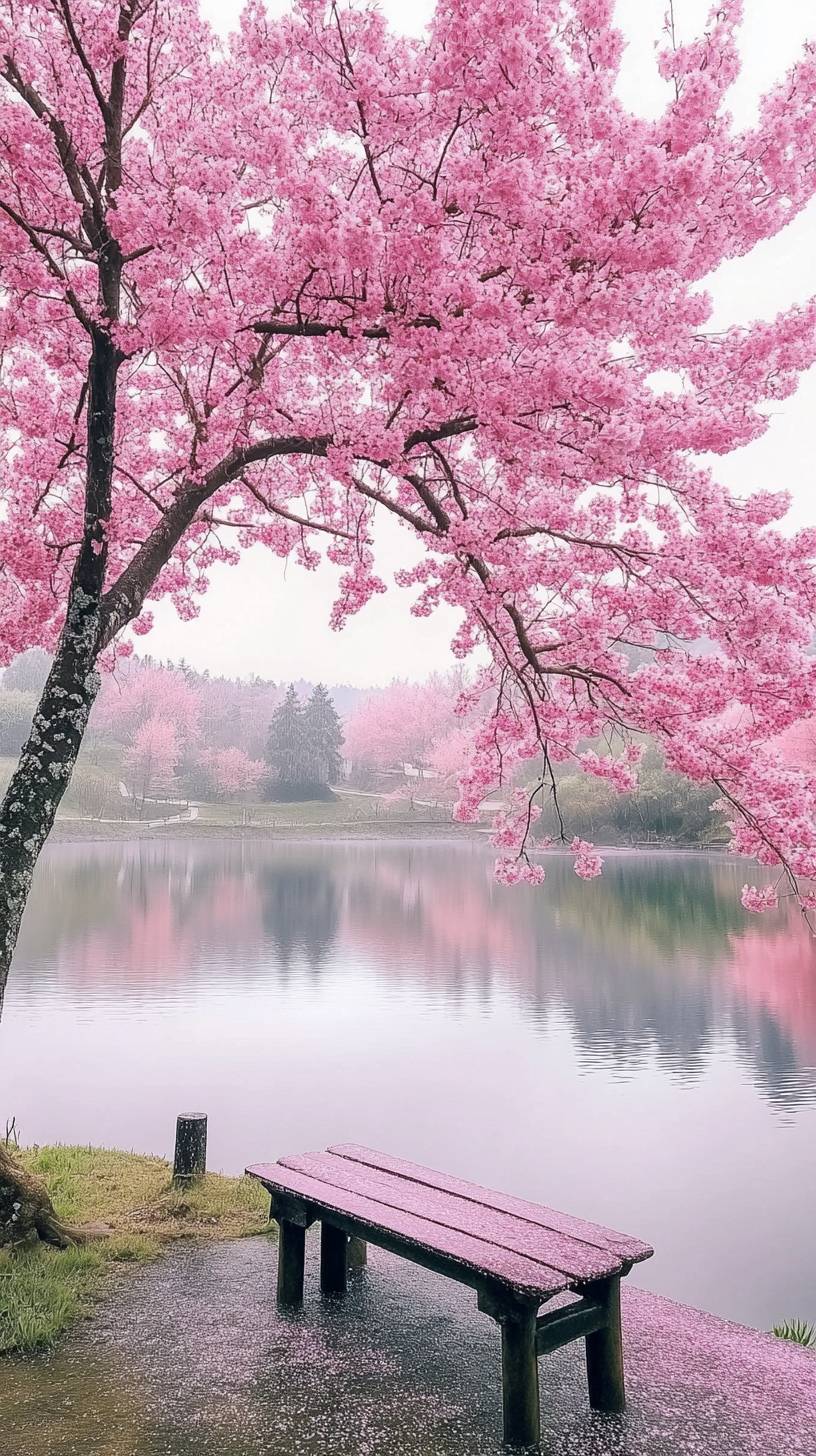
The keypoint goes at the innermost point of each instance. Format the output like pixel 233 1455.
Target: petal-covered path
pixel 192 1359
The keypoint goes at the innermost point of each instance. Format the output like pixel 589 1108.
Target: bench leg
pixel 604 1352
pixel 357 1253
pixel 333 1259
pixel 522 1419
pixel 291 1259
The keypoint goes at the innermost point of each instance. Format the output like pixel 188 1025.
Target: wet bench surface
pixel 516 1255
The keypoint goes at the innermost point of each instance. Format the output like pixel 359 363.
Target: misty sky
pixel 270 617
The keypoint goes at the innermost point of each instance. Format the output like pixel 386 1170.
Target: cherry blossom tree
pixel 145 691
pixel 152 758
pixel 232 772
pixel 448 757
pixel 402 722
pixel 257 290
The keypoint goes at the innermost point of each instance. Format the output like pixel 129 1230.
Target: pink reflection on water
pixel 773 969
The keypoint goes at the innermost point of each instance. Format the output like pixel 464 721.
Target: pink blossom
pixel 759 899
pixel 233 772
pixel 588 863
pixel 516 871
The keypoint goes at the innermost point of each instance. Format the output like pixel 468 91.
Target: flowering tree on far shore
pixel 152 759
pixel 448 757
pixel 230 772
pixel 402 723
pixel 258 290
pixel 147 691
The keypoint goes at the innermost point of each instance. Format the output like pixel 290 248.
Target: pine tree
pixel 324 737
pixel 286 741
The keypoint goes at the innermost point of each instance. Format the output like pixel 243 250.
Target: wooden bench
pixel 516 1255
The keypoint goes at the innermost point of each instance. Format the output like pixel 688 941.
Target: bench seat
pixel 517 1255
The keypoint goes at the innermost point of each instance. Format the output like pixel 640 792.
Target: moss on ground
pixel 43 1290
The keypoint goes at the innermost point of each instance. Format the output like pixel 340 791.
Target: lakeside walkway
pixel 191 1358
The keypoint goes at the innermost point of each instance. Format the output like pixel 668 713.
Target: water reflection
pixel 638 1048
pixel 300 912
pixel 656 958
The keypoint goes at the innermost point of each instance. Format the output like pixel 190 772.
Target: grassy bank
pixel 345 809
pixel 44 1290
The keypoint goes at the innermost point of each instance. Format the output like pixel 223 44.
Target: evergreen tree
pixel 286 741
pixel 324 737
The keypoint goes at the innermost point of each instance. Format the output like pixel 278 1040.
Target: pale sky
pixel 271 618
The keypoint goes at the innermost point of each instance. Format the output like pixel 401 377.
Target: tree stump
pixel 190 1160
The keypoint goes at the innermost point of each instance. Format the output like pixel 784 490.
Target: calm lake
pixel 638 1050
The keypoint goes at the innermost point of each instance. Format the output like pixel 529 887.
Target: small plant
pixel 799 1331
pixel 12 1139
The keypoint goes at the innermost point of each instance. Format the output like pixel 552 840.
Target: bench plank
pixel 575 1258
pixel 627 1249
pixel 477 1257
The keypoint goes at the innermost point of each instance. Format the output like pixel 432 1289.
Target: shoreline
pixel 75 831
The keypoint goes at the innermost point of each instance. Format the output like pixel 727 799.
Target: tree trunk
pixel 43 773
pixel 27 1213
pixel 38 783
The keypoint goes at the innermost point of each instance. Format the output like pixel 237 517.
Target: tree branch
pixel 291 515
pixel 313 329
pixel 402 511
pixel 459 425
pixel 126 597
pixel 63 10
pixel 124 600
pixel 82 185
pixel 51 264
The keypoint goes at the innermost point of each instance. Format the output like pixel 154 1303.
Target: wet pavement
pixel 191 1358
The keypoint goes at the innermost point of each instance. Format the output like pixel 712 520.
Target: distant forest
pixel 166 731
pixel 163 731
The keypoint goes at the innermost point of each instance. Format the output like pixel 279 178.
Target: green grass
pixel 309 813
pixel 43 1290
pixel 345 810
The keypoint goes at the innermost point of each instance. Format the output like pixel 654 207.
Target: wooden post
pixel 357 1253
pixel 333 1259
pixel 190 1158
pixel 291 1261
pixel 522 1418
pixel 604 1351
